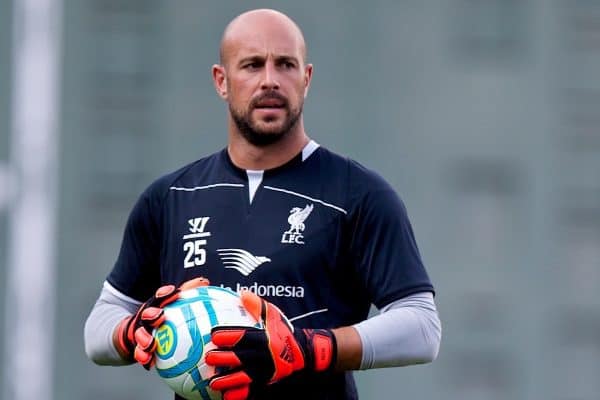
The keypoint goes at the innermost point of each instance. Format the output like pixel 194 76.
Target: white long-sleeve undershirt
pixel 110 309
pixel 407 331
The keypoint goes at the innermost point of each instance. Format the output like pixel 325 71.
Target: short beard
pixel 261 138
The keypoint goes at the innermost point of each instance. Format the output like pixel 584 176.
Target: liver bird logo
pixel 297 217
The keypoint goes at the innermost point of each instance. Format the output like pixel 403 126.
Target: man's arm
pixel 406 332
pixel 115 335
pixel 110 309
pixel 349 348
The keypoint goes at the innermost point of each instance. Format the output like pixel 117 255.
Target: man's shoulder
pixel 356 173
pixel 195 173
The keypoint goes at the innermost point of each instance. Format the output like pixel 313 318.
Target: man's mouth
pixel 270 102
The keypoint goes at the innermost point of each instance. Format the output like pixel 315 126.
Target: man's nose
pixel 270 79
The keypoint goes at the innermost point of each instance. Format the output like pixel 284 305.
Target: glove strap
pixel 124 343
pixel 320 348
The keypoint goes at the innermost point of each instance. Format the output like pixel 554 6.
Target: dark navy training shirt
pixel 323 238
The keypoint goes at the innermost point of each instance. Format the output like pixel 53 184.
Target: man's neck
pixel 248 156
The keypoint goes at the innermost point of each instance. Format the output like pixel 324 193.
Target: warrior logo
pixel 194 242
pixel 296 220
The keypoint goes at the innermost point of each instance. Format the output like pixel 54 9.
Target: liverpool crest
pixel 296 220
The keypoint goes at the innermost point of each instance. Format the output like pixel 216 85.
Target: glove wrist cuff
pixel 320 348
pixel 124 346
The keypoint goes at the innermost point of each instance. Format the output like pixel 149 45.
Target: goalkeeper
pixel 316 237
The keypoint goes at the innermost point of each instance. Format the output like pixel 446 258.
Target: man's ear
pixel 308 71
pixel 220 80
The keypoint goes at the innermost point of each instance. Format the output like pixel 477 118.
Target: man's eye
pixel 252 65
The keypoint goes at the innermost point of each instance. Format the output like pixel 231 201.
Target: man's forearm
pixel 100 328
pixel 407 332
pixel 349 349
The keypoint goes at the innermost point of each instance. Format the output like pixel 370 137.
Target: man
pixel 314 234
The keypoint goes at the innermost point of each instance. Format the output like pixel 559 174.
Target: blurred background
pixel 483 114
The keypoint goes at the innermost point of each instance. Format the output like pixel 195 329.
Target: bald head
pixel 260 26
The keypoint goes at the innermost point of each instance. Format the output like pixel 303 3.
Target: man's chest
pixel 279 243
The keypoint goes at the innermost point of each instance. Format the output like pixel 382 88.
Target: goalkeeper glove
pixel 256 357
pixel 133 337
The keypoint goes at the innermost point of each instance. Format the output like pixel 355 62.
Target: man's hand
pixel 257 357
pixel 133 336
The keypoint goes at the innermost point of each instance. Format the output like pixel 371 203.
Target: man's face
pixel 266 81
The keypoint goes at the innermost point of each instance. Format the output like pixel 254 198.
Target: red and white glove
pixel 133 335
pixel 256 357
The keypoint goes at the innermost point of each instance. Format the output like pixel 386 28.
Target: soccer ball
pixel 184 338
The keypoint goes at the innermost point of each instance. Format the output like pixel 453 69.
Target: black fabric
pixel 323 239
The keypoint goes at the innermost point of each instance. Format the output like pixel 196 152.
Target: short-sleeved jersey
pixel 323 238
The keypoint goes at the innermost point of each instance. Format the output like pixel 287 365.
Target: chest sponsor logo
pixel 269 290
pixel 194 242
pixel 241 260
pixel 296 220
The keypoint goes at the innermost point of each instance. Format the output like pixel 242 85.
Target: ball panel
pixel 184 338
pixel 195 386
pixel 190 344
